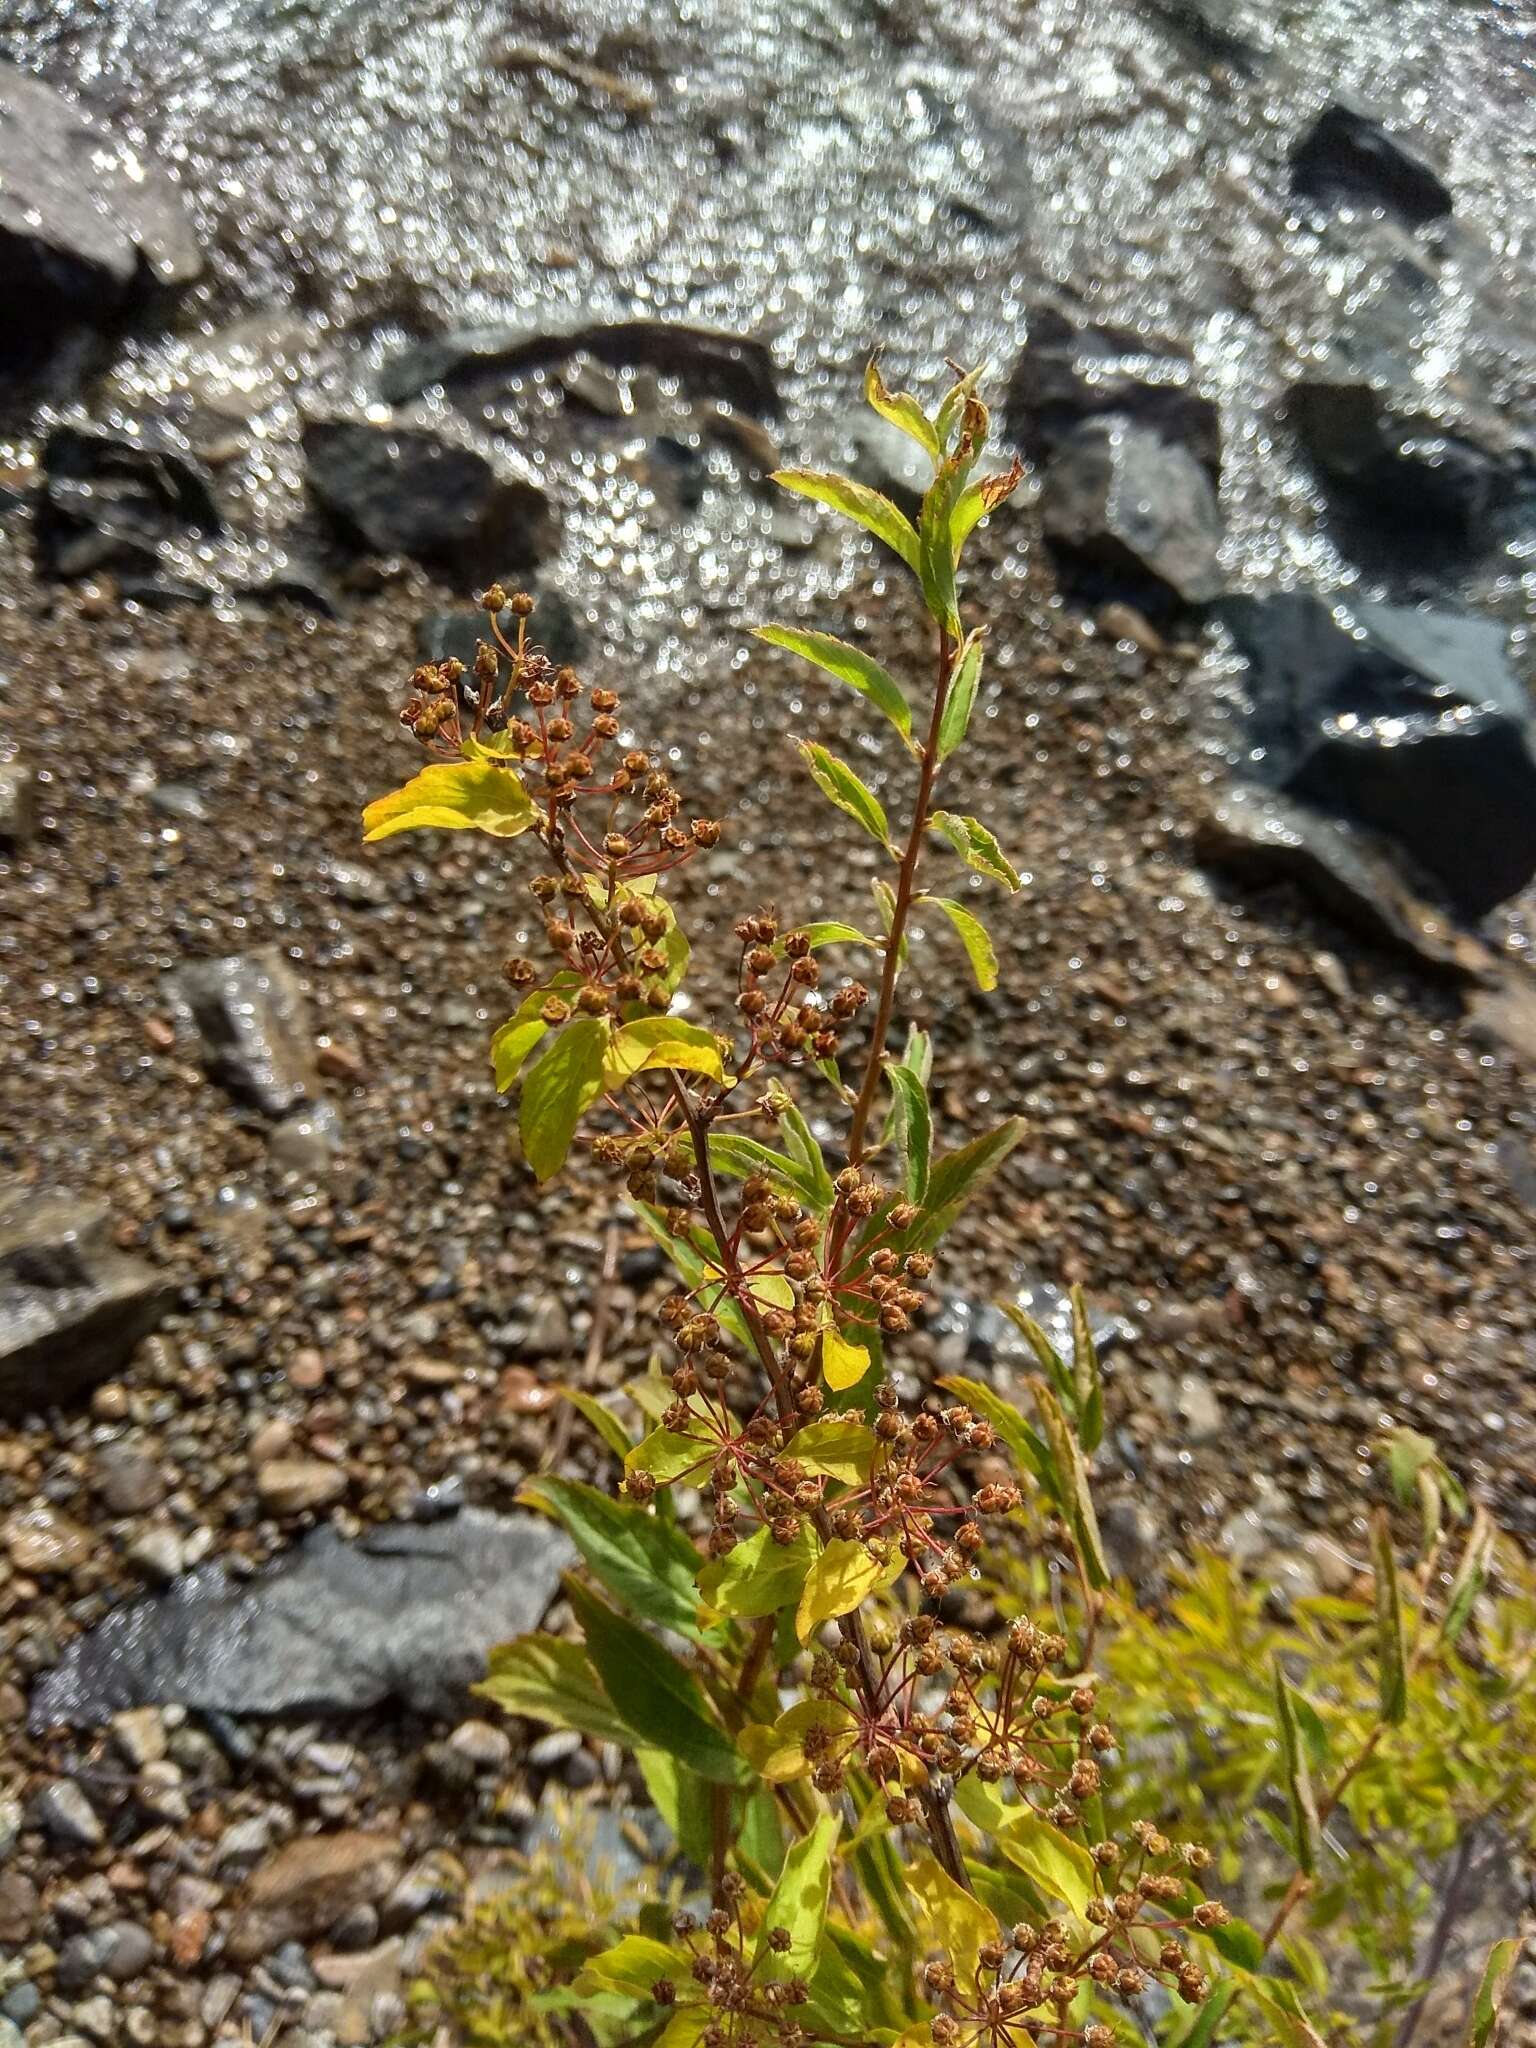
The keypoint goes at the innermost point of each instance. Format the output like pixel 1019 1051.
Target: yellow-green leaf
pixel 1497 1971
pixel 974 937
pixel 759 1576
pixel 1062 1868
pixel 867 508
pixel 558 1089
pixel 777 1753
pixel 976 846
pixel 1391 1651
pixel 960 1925
pixel 545 1678
pixel 666 1454
pixel 902 410
pixel 799 1903
pixel 961 700
pixel 837 781
pixel 635 1965
pixel 841 1448
pixel 844 1574
pixel 1298 1778
pixel 652 1042
pixel 849 665
pixel 843 1363
pixel 511 1046
pixel 454 796
pixel 603 1420
pixel 952 408
pixel 980 498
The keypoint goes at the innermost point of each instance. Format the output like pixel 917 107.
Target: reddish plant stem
pixel 905 884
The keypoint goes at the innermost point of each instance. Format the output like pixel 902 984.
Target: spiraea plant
pixel 900 1829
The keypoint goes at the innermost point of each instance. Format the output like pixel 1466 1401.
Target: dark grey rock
pixel 1345 158
pixel 1070 372
pixel 405 490
pixel 554 627
pixel 1407 720
pixel 250 1014
pixel 707 361
pixel 131 1953
pixel 18 802
pixel 83 220
pixel 72 1306
pixel 406 1613
pixel 1444 480
pixel 113 500
pixel 1134 507
pixel 1262 836
pixel 82 1959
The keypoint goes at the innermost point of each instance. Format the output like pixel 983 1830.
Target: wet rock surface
pixel 1119 500
pixel 1346 158
pixel 406 1613
pixel 408 491
pixel 82 217
pixel 1072 371
pixel 114 501
pixel 1409 721
pixel 72 1306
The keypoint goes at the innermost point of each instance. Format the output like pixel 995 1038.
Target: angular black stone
pixel 112 500
pixel 1347 157
pixel 1137 508
pixel 1069 372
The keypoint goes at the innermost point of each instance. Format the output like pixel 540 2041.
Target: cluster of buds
pixel 780 995
pixel 1026 1981
pixel 747 1998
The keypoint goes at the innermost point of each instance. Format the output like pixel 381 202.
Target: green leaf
pixel 845 1574
pixel 759 1576
pixel 742 1157
pixel 980 498
pixel 454 796
pixel 961 701
pixel 545 1678
pixel 837 782
pixel 1087 1382
pixel 954 1178
pixel 960 1925
pixel 1408 1452
pixel 603 1420
pixel 1235 1941
pixel 1497 1971
pixel 1210 2015
pixel 1298 1779
pixel 952 409
pixel 800 1141
pixel 511 1046
pixel 643 1561
pixel 936 544
pixel 683 1800
pixel 867 508
pixel 976 846
pixel 975 939
pixel 839 1447
pixel 885 903
pixel 1027 1445
pixel 828 932
pixel 849 665
pixel 635 1965
pixel 1391 1651
pixel 799 1903
pixel 1078 1504
pixel 695 1269
pixel 843 1363
pixel 666 1454
pixel 1062 1868
pixel 667 1042
pixel 902 410
pixel 914 1126
pixel 557 1091
pixel 661 1700
pixel 1470 1576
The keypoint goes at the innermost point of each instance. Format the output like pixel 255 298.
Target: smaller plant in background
pixel 903 1829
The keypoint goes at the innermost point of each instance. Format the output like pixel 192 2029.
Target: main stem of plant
pixel 935 1799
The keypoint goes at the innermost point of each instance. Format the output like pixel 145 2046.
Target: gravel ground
pixel 1282 1157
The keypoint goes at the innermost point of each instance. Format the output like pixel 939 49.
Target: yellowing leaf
pixel 777 1753
pixel 958 1924
pixel 652 1042
pixel 849 665
pixel 557 1091
pixel 837 782
pixel 841 1448
pixel 667 1454
pixel 976 846
pixel 901 409
pixel 876 514
pixel 511 1046
pixel 975 939
pixel 759 1576
pixel 454 796
pixel 636 1965
pixel 843 1364
pixel 844 1574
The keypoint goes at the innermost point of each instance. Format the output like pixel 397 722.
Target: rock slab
pixel 406 1613
pixel 250 1014
pixel 1134 506
pixel 72 1306
pixel 307 1886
